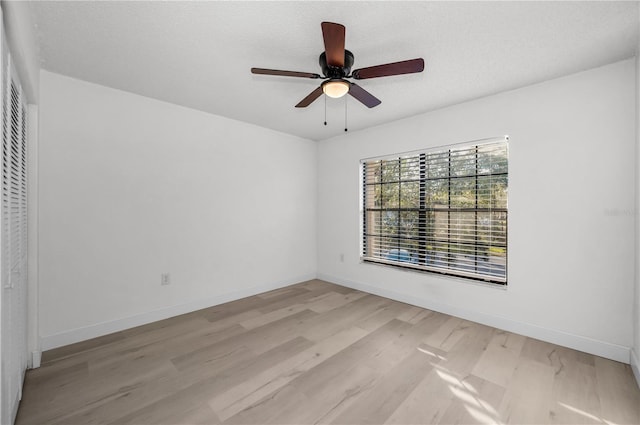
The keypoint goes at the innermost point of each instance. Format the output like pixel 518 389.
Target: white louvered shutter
pixel 13 234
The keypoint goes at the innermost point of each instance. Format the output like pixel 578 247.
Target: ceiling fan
pixel 336 63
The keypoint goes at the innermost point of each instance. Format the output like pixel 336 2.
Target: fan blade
pixel 264 71
pixel 310 98
pixel 333 35
pixel 386 70
pixel 364 96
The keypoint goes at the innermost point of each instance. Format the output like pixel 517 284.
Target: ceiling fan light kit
pixel 336 63
pixel 335 88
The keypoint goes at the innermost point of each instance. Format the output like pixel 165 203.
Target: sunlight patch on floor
pixel 437 356
pixel 586 414
pixel 478 408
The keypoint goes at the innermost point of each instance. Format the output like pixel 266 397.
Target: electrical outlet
pixel 342 258
pixel 164 279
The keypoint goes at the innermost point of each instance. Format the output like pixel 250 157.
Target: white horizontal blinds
pixel 441 210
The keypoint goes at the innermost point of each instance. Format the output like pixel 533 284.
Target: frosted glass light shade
pixel 336 88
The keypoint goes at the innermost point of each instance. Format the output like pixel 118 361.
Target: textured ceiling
pixel 199 54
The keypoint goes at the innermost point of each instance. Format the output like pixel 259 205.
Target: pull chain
pixel 345 113
pixel 325 109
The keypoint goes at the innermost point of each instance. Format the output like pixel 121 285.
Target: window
pixel 441 210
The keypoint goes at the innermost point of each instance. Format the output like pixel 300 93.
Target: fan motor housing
pixel 334 71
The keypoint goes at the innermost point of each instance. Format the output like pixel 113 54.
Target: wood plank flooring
pixel 320 353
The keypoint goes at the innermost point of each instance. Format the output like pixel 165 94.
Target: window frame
pixel 418 261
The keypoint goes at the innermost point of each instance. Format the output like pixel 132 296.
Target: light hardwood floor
pixel 321 353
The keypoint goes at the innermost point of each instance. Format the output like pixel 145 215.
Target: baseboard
pixel 93 331
pixel 34 361
pixel 635 366
pixel 599 348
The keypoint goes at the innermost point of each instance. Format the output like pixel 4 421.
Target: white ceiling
pixel 199 54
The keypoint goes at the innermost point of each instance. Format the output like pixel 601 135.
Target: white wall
pixel 131 187
pixel 571 210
